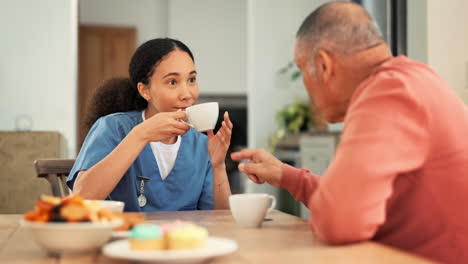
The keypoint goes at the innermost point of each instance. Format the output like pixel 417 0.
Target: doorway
pixel 103 52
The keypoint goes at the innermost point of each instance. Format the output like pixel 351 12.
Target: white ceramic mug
pixel 203 117
pixel 249 209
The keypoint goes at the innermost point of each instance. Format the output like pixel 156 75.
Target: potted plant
pixel 292 118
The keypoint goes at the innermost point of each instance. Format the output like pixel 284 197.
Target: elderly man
pixel 400 173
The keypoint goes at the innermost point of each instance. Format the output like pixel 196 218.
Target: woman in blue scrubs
pixel 139 151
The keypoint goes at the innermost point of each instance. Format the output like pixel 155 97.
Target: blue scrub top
pixel 188 186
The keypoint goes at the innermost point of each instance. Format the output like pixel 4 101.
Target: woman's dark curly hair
pixel 121 94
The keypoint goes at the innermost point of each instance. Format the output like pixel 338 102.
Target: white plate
pixel 215 246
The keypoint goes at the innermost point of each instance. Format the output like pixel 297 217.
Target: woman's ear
pixel 144 91
pixel 324 66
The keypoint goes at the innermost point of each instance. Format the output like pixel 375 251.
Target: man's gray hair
pixel 341 27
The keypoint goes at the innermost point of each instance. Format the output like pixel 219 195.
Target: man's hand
pixel 261 167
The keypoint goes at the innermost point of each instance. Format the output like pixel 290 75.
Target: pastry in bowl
pixel 68 209
pixel 68 225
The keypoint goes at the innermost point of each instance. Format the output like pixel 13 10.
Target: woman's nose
pixel 185 93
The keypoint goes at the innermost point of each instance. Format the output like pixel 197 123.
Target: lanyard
pixel 141 197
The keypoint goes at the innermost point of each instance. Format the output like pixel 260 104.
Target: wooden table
pixel 282 239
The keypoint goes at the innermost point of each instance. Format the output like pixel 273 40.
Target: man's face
pixel 313 87
pixel 320 90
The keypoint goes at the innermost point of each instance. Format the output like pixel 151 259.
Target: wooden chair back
pixel 56 172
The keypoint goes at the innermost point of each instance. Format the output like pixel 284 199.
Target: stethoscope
pixel 141 197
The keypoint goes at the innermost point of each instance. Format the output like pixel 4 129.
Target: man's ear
pixel 144 91
pixel 323 66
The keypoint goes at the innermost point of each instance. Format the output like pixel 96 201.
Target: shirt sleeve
pixel 385 135
pixel 301 183
pixel 206 198
pixel 102 138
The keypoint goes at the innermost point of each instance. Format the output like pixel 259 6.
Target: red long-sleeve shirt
pixel 400 173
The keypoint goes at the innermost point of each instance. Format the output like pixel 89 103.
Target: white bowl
pixel 71 238
pixel 115 206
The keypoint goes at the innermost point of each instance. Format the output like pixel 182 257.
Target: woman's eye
pixel 193 79
pixel 172 82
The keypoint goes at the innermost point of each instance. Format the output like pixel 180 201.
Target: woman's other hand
pixel 218 144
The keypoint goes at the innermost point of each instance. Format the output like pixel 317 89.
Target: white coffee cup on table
pixel 249 209
pixel 203 117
